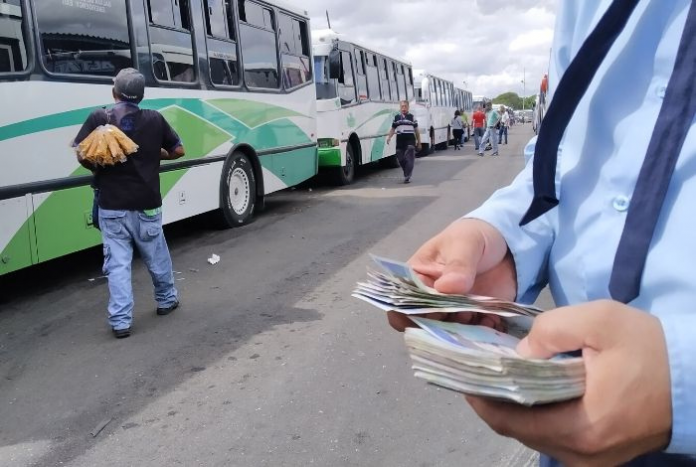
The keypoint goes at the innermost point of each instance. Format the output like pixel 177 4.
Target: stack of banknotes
pixel 474 360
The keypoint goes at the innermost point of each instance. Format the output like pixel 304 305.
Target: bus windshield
pixel 326 88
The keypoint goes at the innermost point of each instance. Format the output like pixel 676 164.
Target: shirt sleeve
pixel 681 347
pixel 394 124
pixel 170 139
pixel 96 118
pixel 530 245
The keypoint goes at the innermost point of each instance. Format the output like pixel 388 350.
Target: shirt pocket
pixel 150 226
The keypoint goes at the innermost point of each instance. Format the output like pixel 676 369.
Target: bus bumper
pixel 330 157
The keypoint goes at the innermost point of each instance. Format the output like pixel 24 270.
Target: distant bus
pixel 234 78
pixel 358 94
pixel 464 102
pixel 433 106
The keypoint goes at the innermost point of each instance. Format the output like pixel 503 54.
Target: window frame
pixel 38 47
pixel 29 28
pixel 237 46
pixel 305 41
pixel 149 25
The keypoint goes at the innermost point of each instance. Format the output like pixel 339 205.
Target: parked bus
pixel 358 94
pixel 433 106
pixel 233 78
pixel 464 102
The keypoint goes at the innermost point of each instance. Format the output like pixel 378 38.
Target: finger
pixel 565 330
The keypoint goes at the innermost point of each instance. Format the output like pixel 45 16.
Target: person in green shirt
pixel 492 119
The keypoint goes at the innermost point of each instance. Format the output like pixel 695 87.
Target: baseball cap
pixel 129 85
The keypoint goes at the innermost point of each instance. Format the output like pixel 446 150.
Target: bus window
pixel 222 50
pixel 360 75
pixel 294 53
pixel 346 86
pixel 401 81
pixel 392 82
pixel 13 49
pixel 169 13
pixel 384 80
pixel 76 40
pixel 409 82
pixel 259 47
pixel 373 77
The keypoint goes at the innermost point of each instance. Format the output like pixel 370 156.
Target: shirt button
pixel 661 91
pixel 620 203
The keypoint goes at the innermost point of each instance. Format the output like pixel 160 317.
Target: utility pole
pixel 328 20
pixel 524 89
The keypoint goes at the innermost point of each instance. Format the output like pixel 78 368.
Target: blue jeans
pixel 502 132
pixel 121 231
pixel 489 135
pixel 478 134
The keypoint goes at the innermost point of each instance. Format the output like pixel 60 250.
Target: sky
pixel 492 45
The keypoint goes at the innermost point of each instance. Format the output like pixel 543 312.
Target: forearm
pixel 171 155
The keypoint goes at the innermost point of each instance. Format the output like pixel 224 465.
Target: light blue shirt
pixel 572 247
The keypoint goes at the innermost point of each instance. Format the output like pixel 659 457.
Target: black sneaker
pixel 122 333
pixel 166 311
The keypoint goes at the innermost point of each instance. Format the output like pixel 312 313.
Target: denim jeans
pixel 489 135
pixel 502 132
pixel 121 231
pixel 478 134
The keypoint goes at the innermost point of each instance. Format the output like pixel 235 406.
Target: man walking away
pixel 130 203
pixel 457 129
pixel 407 139
pixel 504 123
pixel 492 119
pixel 479 119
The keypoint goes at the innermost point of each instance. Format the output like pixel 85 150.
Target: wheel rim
pixel 348 169
pixel 240 191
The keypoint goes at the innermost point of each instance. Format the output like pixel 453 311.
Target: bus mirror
pixel 334 64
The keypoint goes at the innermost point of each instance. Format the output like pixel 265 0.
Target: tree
pixel 511 99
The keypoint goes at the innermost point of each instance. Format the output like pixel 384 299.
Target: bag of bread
pixel 106 145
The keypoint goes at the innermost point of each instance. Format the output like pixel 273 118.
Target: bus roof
pixel 288 6
pixel 327 36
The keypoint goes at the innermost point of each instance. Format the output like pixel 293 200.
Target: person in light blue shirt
pixel 639 405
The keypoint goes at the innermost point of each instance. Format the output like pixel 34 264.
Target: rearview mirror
pixel 334 64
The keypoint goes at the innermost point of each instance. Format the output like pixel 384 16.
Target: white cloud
pixel 490 44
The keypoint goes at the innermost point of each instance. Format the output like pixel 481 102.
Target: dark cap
pixel 129 85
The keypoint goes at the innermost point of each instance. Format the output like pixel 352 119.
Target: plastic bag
pixel 106 145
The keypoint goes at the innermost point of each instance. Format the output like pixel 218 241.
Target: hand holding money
pixel 469 256
pixel 626 409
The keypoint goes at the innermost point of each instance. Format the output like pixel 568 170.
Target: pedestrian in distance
pixel 457 129
pixel 408 139
pixel 479 121
pixel 129 204
pixel 492 121
pixel 609 229
pixel 504 124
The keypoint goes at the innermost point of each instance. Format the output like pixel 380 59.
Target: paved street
pixel 269 361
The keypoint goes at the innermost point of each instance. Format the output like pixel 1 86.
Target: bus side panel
pixel 64 222
pixel 15 241
pixel 289 168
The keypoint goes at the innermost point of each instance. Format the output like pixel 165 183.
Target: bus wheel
pixel 345 175
pixel 237 191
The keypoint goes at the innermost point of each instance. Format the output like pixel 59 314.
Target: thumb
pixel 562 330
pixel 461 264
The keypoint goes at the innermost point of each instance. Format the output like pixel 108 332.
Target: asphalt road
pixel 269 361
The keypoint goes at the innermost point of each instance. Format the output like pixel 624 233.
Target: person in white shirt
pixel 504 124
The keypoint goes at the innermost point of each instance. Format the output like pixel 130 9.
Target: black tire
pixel 237 191
pixel 425 150
pixel 390 162
pixel 345 175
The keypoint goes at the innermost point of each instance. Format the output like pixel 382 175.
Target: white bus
pixel 358 94
pixel 464 102
pixel 433 106
pixel 234 78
